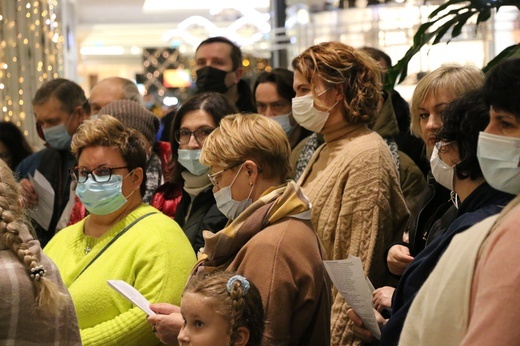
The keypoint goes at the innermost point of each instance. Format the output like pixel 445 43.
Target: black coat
pixel 480 204
pixel 204 215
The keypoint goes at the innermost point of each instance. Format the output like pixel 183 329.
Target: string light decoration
pixel 31 52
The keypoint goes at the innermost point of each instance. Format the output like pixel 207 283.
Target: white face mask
pixel 307 115
pixel 442 172
pixel 189 159
pixel 285 123
pixel 227 205
pixel 499 157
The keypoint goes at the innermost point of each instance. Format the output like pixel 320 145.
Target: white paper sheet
pixel 133 295
pixel 42 212
pixel 350 280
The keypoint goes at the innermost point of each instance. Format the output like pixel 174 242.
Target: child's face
pixel 202 325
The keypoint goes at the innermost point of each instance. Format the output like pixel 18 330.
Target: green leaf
pixel 457 29
pixel 439 33
pixel 483 16
pixel 455 18
pixel 445 6
pixel 509 52
pixel 420 36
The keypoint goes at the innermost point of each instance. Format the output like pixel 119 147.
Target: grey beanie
pixel 135 116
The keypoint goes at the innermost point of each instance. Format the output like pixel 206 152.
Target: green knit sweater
pixel 154 256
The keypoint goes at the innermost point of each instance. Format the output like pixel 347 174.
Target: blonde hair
pixel 249 137
pixel 240 305
pixel 49 299
pixel 451 79
pixel 352 72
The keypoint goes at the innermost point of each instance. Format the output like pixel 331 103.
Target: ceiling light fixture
pixel 169 5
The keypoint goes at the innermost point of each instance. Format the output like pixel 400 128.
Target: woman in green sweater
pixel 121 239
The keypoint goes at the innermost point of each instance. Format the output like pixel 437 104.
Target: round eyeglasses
pixel 99 175
pixel 183 136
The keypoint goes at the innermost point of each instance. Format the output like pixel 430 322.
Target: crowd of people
pixel 222 213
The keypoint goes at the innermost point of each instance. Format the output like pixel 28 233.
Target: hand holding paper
pixel 350 280
pixel 133 295
pixel 42 212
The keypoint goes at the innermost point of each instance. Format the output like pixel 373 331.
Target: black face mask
pixel 211 79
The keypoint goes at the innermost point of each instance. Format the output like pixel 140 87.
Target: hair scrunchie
pixel 243 281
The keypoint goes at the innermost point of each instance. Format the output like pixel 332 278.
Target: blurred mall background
pixel 153 41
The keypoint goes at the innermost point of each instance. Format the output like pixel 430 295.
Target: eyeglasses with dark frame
pixel 213 177
pixel 183 136
pixel 100 174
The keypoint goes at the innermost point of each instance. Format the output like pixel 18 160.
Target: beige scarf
pixel 276 203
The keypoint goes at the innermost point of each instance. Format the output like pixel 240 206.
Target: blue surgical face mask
pixel 102 198
pixel 189 159
pixel 57 137
pixel 285 122
pixel 227 205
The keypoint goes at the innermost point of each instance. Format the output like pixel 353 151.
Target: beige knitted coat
pixel 357 207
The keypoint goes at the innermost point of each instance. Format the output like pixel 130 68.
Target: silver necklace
pixel 87 248
pixel 88 240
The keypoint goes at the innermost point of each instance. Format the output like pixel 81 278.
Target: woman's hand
pixel 382 297
pixel 359 327
pixel 29 196
pixel 167 323
pixel 398 259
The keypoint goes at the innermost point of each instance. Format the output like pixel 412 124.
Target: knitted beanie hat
pixel 135 116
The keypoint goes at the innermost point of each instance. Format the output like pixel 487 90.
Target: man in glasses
pixel 60 106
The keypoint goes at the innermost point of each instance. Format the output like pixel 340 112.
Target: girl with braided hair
pixel 35 306
pixel 221 309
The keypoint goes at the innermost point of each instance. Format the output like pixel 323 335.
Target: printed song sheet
pixel 350 280
pixel 133 295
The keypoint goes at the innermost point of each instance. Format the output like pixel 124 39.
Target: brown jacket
pixel 284 260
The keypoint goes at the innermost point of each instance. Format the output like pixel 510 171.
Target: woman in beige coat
pixel 352 180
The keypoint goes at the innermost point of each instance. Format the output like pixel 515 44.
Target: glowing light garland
pixel 31 52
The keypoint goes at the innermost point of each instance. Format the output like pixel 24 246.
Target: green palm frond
pixel 453 15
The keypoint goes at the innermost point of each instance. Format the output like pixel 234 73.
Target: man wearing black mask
pixel 218 64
